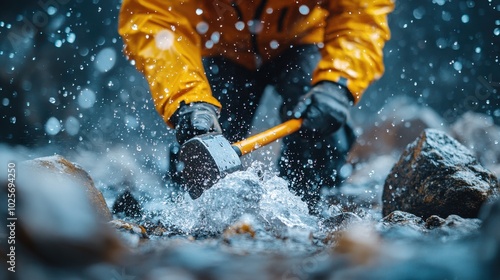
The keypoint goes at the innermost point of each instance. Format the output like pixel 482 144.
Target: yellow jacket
pixel 167 39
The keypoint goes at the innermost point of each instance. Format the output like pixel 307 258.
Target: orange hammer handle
pixel 254 142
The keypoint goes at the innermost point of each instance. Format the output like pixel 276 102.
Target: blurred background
pixel 65 83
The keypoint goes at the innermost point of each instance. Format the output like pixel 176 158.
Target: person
pixel 208 63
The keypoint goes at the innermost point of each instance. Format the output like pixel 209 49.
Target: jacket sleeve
pixel 355 34
pixel 167 49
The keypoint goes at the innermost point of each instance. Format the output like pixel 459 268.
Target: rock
pixel 131 233
pixel 61 216
pixel 341 221
pixel 243 227
pixel 333 227
pixel 128 205
pixel 434 222
pixel 400 225
pixel 436 175
pixel 59 165
pixel 404 225
pixel 400 122
pixel 479 133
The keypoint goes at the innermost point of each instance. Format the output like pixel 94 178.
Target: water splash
pixel 254 192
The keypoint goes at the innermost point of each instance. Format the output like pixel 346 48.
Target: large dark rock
pixel 436 175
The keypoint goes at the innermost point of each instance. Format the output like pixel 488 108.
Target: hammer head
pixel 203 160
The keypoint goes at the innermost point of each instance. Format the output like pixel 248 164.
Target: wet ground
pixel 249 226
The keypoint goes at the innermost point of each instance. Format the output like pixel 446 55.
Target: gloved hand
pixel 324 109
pixel 195 119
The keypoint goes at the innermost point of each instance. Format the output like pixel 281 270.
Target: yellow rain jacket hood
pixel 168 38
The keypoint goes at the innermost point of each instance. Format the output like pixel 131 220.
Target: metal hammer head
pixel 203 160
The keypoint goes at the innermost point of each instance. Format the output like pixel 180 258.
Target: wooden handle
pixel 254 142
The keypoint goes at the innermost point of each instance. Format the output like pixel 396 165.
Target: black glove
pixel 324 109
pixel 195 119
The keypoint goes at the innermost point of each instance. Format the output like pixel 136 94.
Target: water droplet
pixel 134 26
pixel 304 10
pixel 51 10
pixel 105 59
pixel 215 37
pixel 240 25
pixel 71 38
pixel 465 18
pixel 52 126
pixel 87 98
pixel 274 44
pixel 202 27
pixel 72 125
pixel 52 100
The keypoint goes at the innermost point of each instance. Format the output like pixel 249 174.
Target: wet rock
pixel 158 228
pixel 403 225
pixel 332 227
pixel 434 222
pixel 128 205
pixel 131 233
pixel 453 227
pixel 403 218
pixel 243 227
pixel 341 221
pixel 397 125
pixel 61 216
pixel 479 133
pixel 130 227
pixel 59 165
pixel 436 175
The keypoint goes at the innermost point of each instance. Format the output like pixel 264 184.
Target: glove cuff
pixel 185 109
pixel 340 91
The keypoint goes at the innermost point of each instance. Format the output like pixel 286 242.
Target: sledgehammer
pixel 204 159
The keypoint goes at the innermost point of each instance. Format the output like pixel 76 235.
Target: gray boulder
pixel 61 216
pixel 436 175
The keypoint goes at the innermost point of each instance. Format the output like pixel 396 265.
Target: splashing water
pixel 254 192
